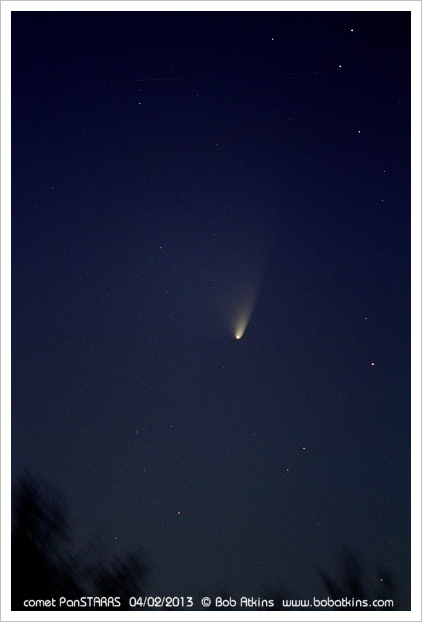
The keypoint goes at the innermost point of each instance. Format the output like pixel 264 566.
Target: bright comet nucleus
pixel 245 294
pixel 242 319
pixel 238 276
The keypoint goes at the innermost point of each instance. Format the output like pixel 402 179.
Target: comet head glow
pixel 244 308
pixel 238 277
pixel 242 323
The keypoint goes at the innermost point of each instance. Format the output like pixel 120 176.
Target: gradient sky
pixel 177 176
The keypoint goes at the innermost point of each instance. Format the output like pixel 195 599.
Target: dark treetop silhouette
pixel 45 570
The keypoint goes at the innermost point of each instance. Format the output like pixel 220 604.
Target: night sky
pixel 180 179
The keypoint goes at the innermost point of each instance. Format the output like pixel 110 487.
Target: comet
pixel 237 277
pixel 244 305
pixel 242 321
pixel 244 293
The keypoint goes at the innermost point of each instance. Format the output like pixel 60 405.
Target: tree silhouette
pixel 43 565
pixel 41 561
pixel 123 576
pixel 355 585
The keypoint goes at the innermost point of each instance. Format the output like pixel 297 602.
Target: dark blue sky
pixel 172 172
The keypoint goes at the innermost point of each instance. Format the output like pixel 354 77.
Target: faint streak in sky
pixel 157 79
pixel 311 73
pixel 308 73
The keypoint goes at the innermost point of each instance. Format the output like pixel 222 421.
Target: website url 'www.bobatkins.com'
pixel 338 603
